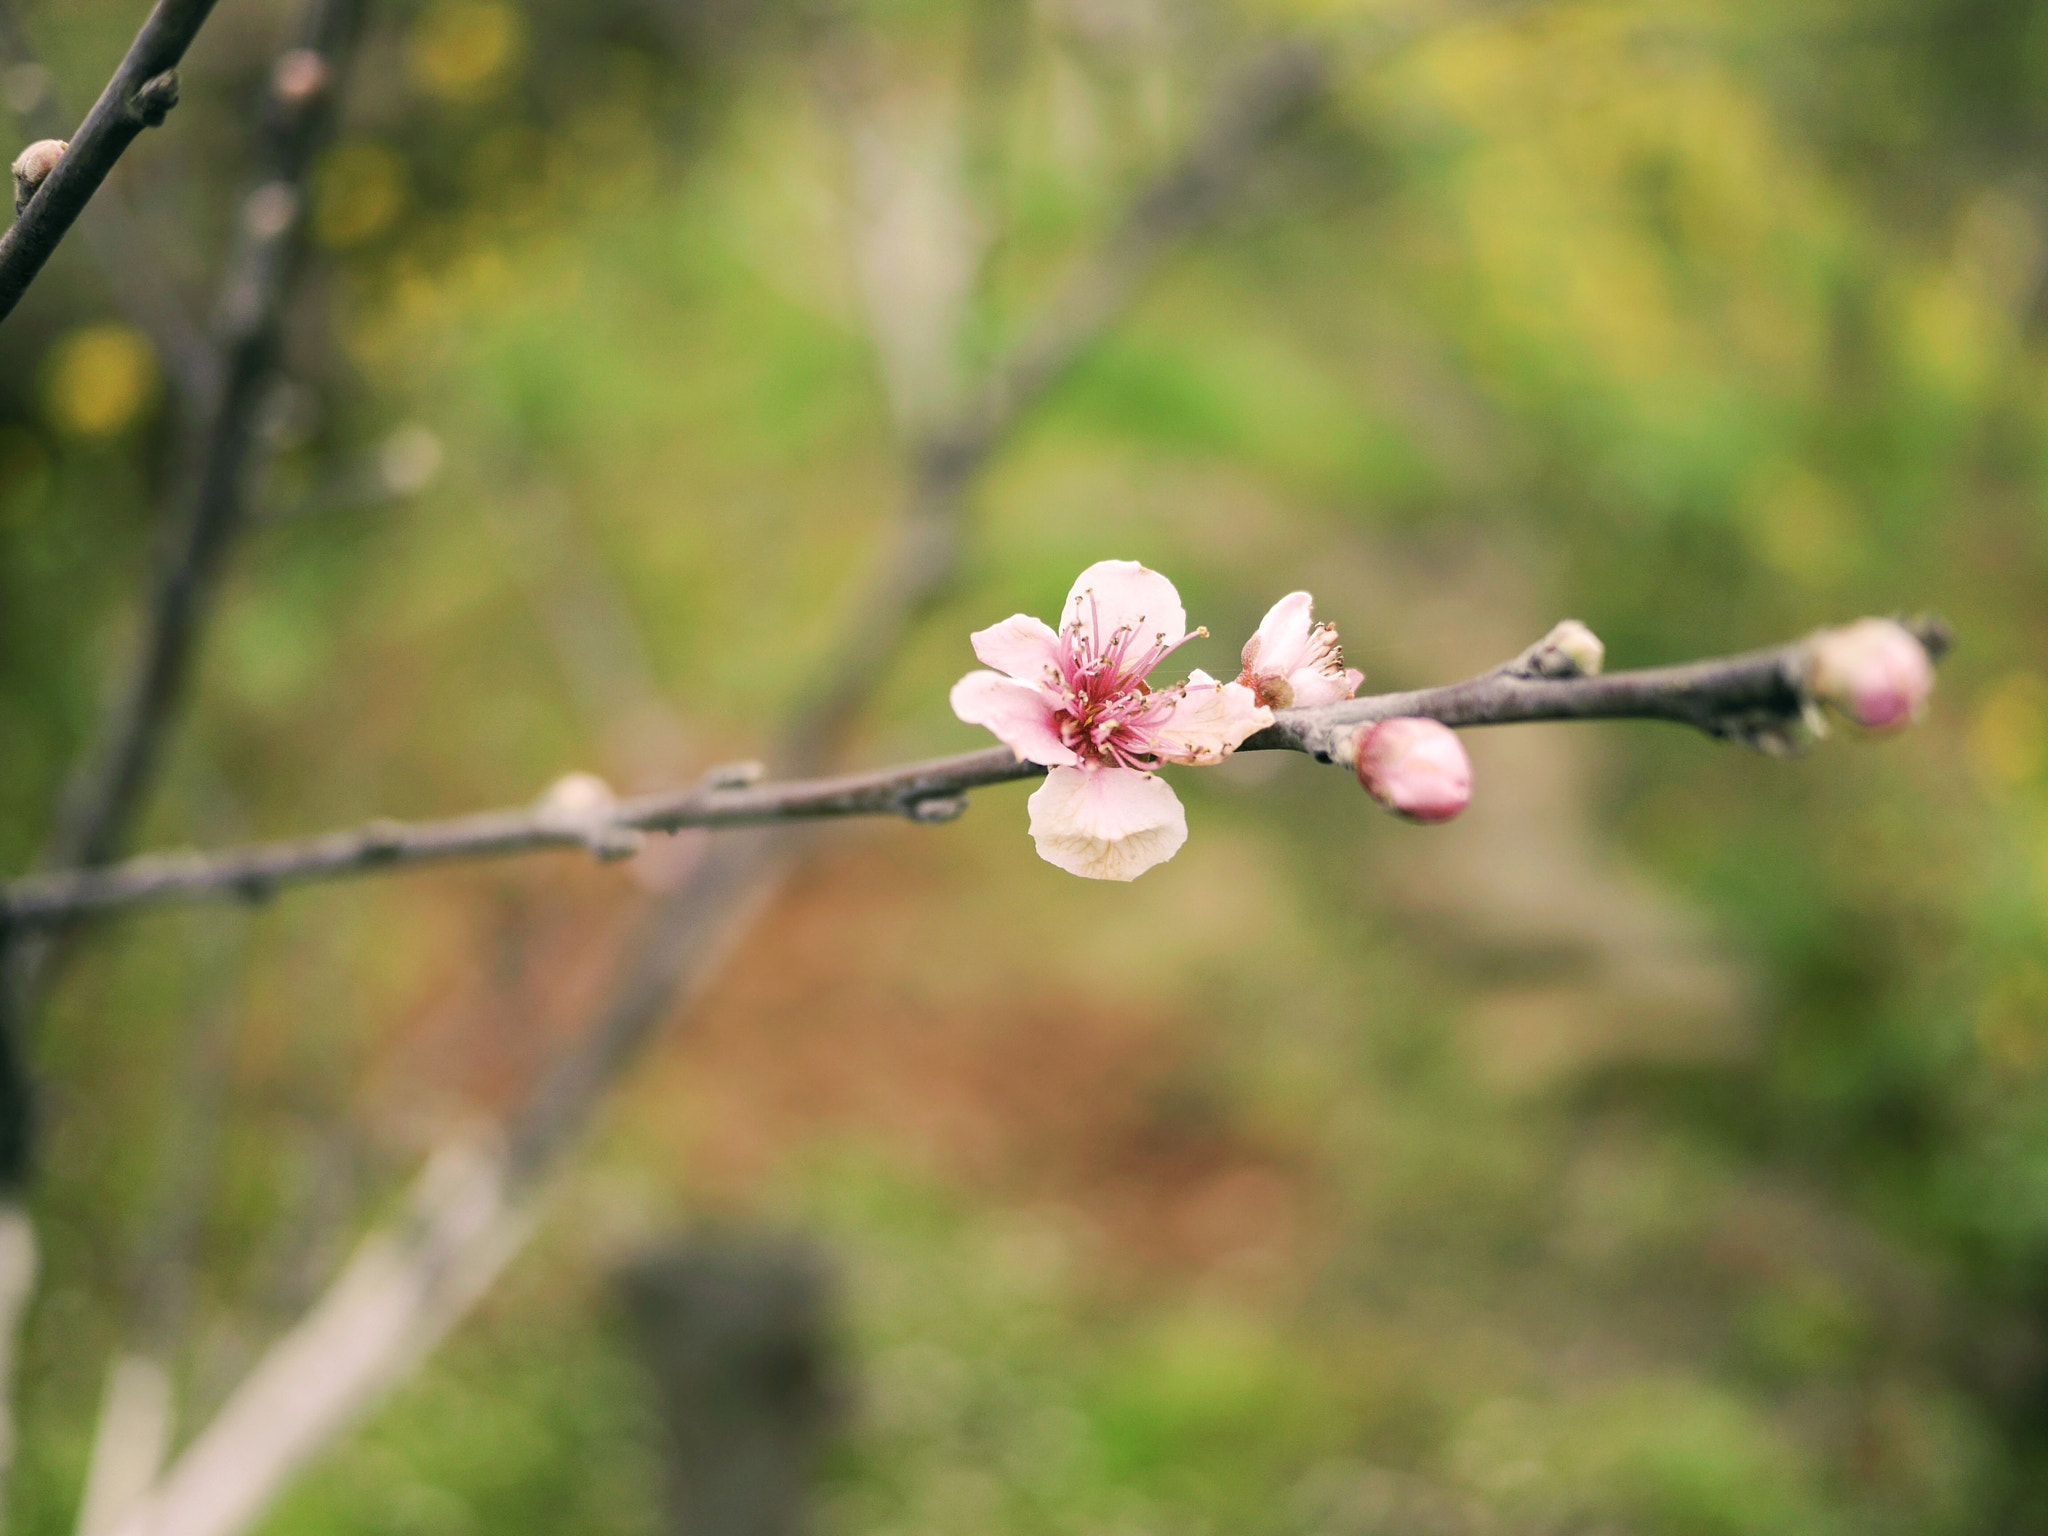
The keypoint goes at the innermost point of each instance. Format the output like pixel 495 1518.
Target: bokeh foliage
pixel 1666 1154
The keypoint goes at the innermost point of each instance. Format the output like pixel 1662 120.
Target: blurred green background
pixel 1661 1148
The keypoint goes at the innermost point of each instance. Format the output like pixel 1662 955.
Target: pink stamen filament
pixel 1107 714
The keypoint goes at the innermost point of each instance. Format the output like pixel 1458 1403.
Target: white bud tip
pixel 1415 768
pixel 1578 645
pixel 36 162
pixel 1874 671
pixel 578 797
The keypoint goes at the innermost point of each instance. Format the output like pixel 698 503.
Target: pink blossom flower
pixel 1291 663
pixel 1416 768
pixel 1874 671
pixel 1077 701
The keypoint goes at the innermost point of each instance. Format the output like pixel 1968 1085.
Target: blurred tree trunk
pixel 737 1332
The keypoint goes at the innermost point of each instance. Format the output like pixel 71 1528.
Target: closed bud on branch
pixel 1415 768
pixel 583 804
pixel 1874 671
pixel 32 168
pixel 1573 651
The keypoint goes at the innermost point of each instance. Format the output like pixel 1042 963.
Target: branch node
pixel 255 889
pixel 32 168
pixel 932 810
pixel 583 806
pixel 383 838
pixel 154 98
pixel 742 775
pixel 1569 650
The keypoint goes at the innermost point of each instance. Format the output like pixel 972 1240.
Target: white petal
pixel 1282 639
pixel 1020 646
pixel 1021 716
pixel 1318 685
pixel 1210 720
pixel 1106 823
pixel 1113 593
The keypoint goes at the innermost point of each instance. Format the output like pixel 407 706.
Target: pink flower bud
pixel 1874 671
pixel 1415 768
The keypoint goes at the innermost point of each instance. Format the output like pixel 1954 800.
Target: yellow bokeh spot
pixel 99 379
pixel 361 188
pixel 2009 737
pixel 462 49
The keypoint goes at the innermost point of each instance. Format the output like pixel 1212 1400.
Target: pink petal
pixel 1282 639
pixel 1022 718
pixel 1209 721
pixel 1113 593
pixel 1313 686
pixel 1020 646
pixel 1106 823
pixel 1295 663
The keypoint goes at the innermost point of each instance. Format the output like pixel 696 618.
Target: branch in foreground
pixel 1760 698
pixel 143 89
pixel 125 251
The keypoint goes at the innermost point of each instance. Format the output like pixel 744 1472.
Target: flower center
pixel 1108 715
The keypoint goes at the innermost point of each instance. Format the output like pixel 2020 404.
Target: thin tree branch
pixel 1752 697
pixel 410 1281
pixel 103 799
pixel 143 89
pixel 125 253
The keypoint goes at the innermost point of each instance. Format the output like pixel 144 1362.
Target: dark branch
pixel 1756 697
pixel 103 798
pixel 106 789
pixel 143 89
pixel 125 251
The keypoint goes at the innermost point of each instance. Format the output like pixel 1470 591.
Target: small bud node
pixel 32 168
pixel 742 775
pixel 154 98
pixel 1569 650
pixel 383 838
pixel 935 809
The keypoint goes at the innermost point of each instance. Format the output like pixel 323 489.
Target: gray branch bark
pixel 143 89
pixel 122 249
pixel 1758 697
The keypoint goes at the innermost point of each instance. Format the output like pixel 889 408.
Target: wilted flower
pixel 1291 663
pixel 1874 671
pixel 1077 701
pixel 1416 768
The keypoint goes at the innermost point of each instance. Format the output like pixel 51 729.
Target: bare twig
pixel 411 1281
pixel 1754 697
pixel 101 802
pixel 143 89
pixel 126 254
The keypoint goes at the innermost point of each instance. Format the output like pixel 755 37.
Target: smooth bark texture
pixel 1759 697
pixel 143 89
